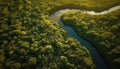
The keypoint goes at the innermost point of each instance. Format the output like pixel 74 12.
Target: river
pixel 97 59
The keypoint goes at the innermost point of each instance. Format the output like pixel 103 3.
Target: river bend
pixel 97 59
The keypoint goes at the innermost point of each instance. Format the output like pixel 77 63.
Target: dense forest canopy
pixel 103 31
pixel 29 40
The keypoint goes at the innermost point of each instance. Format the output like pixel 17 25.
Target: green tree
pixel 32 60
pixel 64 59
pixel 24 44
pixel 49 48
pixel 17 65
pixel 6 10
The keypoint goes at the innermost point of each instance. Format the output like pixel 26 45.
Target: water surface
pixel 97 59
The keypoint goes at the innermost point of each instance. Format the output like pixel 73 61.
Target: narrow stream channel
pixel 97 59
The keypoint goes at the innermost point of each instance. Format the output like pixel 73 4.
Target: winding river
pixel 97 59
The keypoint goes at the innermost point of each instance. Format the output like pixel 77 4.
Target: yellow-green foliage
pixel 29 40
pixel 100 30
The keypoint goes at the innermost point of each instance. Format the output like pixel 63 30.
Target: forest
pixel 30 40
pixel 103 31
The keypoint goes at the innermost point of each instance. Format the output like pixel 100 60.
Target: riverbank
pixel 93 25
pixel 89 5
pixel 29 40
pixel 100 64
